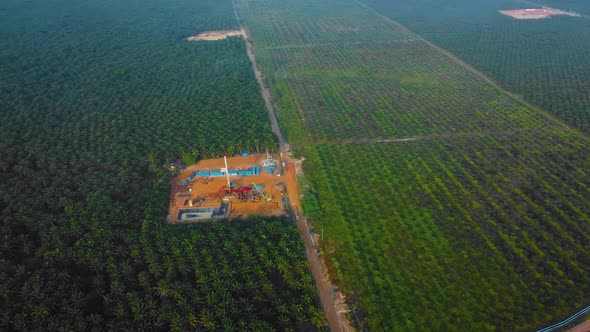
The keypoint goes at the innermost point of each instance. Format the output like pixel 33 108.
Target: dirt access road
pixel 336 321
pixel 329 298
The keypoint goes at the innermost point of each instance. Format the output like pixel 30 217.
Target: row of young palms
pixel 451 214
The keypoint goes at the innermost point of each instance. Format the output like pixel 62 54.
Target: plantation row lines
pixel 438 194
pixel 373 108
pixel 312 45
pixel 544 61
pixel 317 22
pixel 495 214
pixel 440 137
pixel 168 122
pixel 391 90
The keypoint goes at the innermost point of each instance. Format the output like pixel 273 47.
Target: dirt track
pixel 336 321
pixel 265 94
pixel 328 297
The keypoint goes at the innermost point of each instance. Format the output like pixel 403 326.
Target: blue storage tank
pixel 233 172
pixel 241 172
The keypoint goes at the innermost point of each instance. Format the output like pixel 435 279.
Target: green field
pixel 543 60
pixel 445 203
pixel 97 97
pixel 469 234
pixel 363 76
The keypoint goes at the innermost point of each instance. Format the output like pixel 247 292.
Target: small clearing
pixel 535 13
pixel 250 185
pixel 215 35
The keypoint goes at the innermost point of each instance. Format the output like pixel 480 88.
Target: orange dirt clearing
pixel 205 192
pixel 215 35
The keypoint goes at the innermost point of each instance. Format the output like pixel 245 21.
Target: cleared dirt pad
pixel 193 193
pixel 535 14
pixel 215 35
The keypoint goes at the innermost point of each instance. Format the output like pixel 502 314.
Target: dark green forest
pixel 96 97
pixel 546 61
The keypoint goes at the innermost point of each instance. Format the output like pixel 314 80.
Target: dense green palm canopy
pixel 96 97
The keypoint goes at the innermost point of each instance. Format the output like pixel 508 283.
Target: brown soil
pixel 208 187
pixel 293 188
pixel 333 301
pixel 584 327
pixel 215 35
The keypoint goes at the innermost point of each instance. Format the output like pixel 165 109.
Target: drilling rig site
pixel 229 187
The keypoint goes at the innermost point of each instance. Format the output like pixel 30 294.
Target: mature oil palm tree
pixel 163 289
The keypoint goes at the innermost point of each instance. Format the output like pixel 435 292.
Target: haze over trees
pixel 546 61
